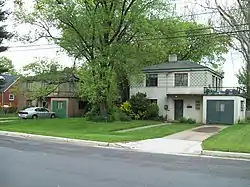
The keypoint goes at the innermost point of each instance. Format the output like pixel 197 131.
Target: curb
pixel 64 140
pixel 226 154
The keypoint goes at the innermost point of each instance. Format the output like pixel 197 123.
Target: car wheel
pixel 34 117
pixel 53 116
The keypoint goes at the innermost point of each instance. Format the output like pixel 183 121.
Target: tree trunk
pixel 104 110
pixel 123 86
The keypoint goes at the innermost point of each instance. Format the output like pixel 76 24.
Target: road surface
pixel 26 163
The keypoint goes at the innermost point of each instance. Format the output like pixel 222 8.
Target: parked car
pixel 36 112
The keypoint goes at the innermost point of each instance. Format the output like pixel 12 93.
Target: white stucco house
pixel 190 90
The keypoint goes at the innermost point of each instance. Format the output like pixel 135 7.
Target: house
pixel 59 97
pixel 8 93
pixel 190 90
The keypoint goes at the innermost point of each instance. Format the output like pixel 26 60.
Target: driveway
pixel 185 142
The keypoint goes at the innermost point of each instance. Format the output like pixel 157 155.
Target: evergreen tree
pixel 3 35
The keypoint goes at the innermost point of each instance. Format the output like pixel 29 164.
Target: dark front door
pixel 220 111
pixel 178 109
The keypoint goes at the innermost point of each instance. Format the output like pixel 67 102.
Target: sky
pixel 21 56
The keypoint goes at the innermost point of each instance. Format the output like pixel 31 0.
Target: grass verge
pixel 79 128
pixel 235 138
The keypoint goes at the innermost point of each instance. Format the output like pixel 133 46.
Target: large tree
pixel 3 35
pixel 233 20
pixel 115 38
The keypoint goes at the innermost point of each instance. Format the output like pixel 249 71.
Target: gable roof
pixel 178 65
pixel 9 80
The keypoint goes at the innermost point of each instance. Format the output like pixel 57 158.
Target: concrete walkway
pixel 186 142
pixel 144 127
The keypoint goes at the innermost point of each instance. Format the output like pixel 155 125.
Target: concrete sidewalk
pixel 185 142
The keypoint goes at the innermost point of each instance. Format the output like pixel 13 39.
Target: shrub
pixel 124 117
pixel 139 103
pixel 126 108
pixel 152 111
pixel 159 118
pixel 187 121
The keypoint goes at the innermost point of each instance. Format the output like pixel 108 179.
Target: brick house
pixel 8 91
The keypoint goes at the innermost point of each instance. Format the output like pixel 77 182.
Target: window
pixel 44 83
pixel 29 103
pixel 181 79
pixel 11 97
pixel 151 80
pixel 72 87
pixel 29 86
pixel 242 105
pixel 197 105
pixel 44 110
pixel 213 81
pixel 153 101
pixel 59 105
pixel 82 105
pixel 219 83
pixel 216 82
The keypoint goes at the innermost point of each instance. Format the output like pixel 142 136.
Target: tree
pixel 109 37
pixel 7 63
pixel 234 21
pixel 3 35
pixel 242 77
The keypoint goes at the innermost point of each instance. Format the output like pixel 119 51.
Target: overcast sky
pixel 22 56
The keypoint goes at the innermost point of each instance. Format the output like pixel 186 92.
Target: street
pixel 30 163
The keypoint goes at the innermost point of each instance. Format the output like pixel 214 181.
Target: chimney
pixel 172 58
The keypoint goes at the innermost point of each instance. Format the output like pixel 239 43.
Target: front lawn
pixel 232 139
pixel 79 128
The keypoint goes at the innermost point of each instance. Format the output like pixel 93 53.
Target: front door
pixel 60 108
pixel 178 109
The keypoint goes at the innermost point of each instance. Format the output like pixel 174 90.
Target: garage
pixel 223 109
pixel 220 111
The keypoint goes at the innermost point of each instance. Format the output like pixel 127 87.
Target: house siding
pixel 166 89
pixel 158 92
pixel 187 112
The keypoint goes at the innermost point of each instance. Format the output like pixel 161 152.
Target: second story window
pixel 181 79
pixel 213 81
pixel 29 86
pixel 151 80
pixel 44 83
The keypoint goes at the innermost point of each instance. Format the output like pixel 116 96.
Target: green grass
pixel 235 138
pixel 79 128
pixel 2 115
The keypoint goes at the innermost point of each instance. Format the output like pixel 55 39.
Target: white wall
pixel 238 114
pixel 187 112
pixel 159 92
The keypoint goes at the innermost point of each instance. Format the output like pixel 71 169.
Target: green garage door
pixel 220 111
pixel 60 108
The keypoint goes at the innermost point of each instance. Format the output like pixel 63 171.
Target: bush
pixel 187 121
pixel 124 117
pixel 126 108
pixel 139 103
pixel 159 118
pixel 152 111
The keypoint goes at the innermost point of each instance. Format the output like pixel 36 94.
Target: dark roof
pixel 9 79
pixel 169 66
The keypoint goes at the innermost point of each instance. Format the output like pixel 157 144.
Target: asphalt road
pixel 26 163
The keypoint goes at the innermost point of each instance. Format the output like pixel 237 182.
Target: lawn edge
pixel 226 154
pixel 56 139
